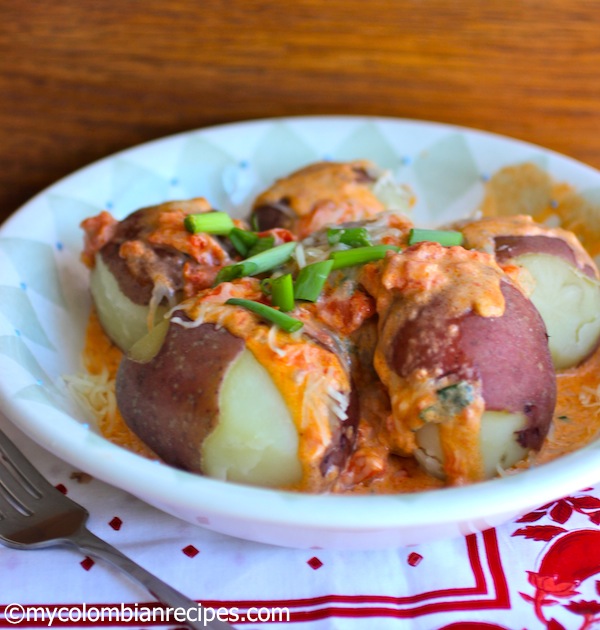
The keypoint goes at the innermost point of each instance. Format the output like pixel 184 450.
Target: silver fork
pixel 35 515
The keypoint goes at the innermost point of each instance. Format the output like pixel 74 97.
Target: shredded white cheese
pixel 299 256
pixel 271 341
pixel 95 394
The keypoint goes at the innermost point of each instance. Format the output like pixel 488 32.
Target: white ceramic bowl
pixel 44 305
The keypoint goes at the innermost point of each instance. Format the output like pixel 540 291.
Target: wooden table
pixel 81 80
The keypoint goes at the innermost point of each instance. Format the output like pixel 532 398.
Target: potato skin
pixel 138 286
pixel 509 237
pixel 171 401
pixel 151 246
pixel 508 354
pixel 511 246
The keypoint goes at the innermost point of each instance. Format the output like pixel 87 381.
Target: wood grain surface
pixel 81 79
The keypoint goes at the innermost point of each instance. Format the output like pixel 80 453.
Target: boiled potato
pixel 509 247
pixel 225 405
pixel 143 268
pixel 328 193
pixel 569 303
pixel 255 439
pixel 464 355
pixel 561 278
pixel 124 321
pixel 498 441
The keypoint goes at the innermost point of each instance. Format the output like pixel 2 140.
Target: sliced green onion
pixel 255 265
pixel 272 258
pixel 282 292
pixel 266 286
pixel 360 255
pixel 233 272
pixel 262 245
pixel 447 238
pixel 242 240
pixel 353 237
pixel 219 223
pixel 283 321
pixel 310 280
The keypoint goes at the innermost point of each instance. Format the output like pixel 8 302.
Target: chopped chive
pixel 233 272
pixel 360 255
pixel 242 240
pixel 310 280
pixel 282 292
pixel 271 258
pixel 447 238
pixel 353 237
pixel 255 265
pixel 283 321
pixel 209 222
pixel 262 244
pixel 266 286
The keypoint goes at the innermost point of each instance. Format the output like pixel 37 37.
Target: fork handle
pixel 88 542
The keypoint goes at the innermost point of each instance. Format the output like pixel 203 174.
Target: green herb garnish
pixel 311 279
pixel 353 237
pixel 281 320
pixel 255 265
pixel 447 238
pixel 242 240
pixel 282 292
pixel 219 223
pixel 360 255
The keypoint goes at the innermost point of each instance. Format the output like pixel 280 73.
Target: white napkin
pixel 529 574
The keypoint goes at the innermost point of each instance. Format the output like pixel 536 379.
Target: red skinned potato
pixel 464 355
pixel 328 193
pixel 226 395
pixel 561 278
pixel 145 263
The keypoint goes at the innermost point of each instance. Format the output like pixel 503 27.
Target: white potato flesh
pixel 147 347
pixel 124 321
pixel 498 443
pixel 255 440
pixel 569 303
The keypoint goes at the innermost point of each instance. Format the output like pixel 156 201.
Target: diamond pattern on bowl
pixel 365 141
pixel 14 347
pixel 445 172
pixel 281 151
pixel 199 167
pixel 16 306
pixel 35 263
pixel 134 187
